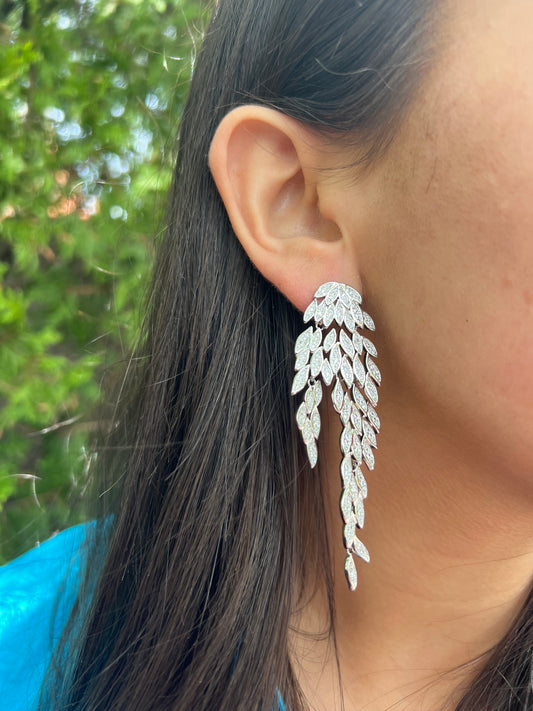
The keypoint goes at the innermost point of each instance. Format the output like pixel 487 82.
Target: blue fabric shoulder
pixel 33 614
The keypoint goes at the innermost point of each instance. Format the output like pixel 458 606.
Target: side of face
pixel 447 257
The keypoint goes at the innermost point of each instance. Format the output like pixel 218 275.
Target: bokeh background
pixel 90 99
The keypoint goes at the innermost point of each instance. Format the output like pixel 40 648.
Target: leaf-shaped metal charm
pixel 357 450
pixel 359 400
pixel 368 322
pixel 303 340
pixel 373 418
pixel 373 369
pixel 357 341
pixel 320 311
pixel 316 362
pixel 361 482
pixel 318 392
pixel 359 509
pixel 339 313
pixel 328 316
pixel 307 431
pixel 346 440
pixel 350 529
pixel 327 373
pixel 301 416
pixel 310 311
pixel 346 471
pixel 359 548
pixel 347 371
pixel 359 372
pixel 357 314
pixel 309 398
pixel 316 339
pixel 323 289
pixel 302 359
pixel 329 341
pixel 346 343
pixel 368 454
pixel 351 572
pixel 345 297
pixel 370 347
pixel 349 321
pixel 312 453
pixel 337 396
pixel 354 294
pixel 335 358
pixel 370 434
pixel 356 419
pixel 346 506
pixel 346 410
pixel 300 380
pixel 315 423
pixel 371 391
pixel 332 294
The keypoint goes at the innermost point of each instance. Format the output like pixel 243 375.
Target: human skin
pixel 438 237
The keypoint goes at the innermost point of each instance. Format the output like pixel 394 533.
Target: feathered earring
pixel 331 351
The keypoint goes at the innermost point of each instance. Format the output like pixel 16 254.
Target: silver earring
pixel 324 352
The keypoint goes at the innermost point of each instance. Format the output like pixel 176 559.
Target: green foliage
pixel 90 97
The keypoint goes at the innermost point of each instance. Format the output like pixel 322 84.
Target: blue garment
pixel 32 615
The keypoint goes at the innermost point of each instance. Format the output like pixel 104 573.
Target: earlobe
pixel 267 168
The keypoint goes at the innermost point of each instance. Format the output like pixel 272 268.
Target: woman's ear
pixel 275 176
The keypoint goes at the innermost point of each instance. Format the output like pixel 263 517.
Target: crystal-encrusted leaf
pixel 357 314
pixel 315 423
pixel 329 340
pixel 351 572
pixel 346 471
pixel 346 343
pixel 354 294
pixel 316 340
pixel 345 297
pixel 356 420
pixel 371 391
pixel 300 380
pixel 357 450
pixel 323 289
pixel 358 371
pixel 318 392
pixel 339 313
pixel 328 316
pixel 361 482
pixel 369 434
pixel 368 321
pixel 316 362
pixel 346 506
pixel 302 359
pixel 310 311
pixel 370 347
pixel 373 418
pixel 368 454
pixel 307 431
pixel 335 358
pixel 327 373
pixel 373 369
pixel 346 440
pixel 337 396
pixel 357 341
pixel 359 509
pixel 359 400
pixel 320 311
pixel 312 453
pixel 301 415
pixel 347 371
pixel 346 409
pixel 309 398
pixel 332 294
pixel 359 548
pixel 303 340
pixel 349 528
pixel 349 321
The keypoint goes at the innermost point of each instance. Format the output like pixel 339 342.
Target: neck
pixel 451 560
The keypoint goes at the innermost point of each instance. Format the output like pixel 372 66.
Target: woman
pixel 385 145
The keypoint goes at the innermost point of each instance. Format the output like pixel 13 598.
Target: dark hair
pixel 199 553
